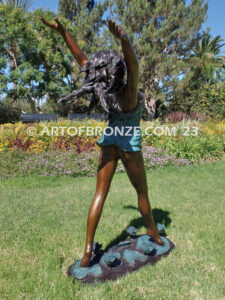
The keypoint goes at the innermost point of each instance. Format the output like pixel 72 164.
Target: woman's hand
pixel 117 31
pixel 57 27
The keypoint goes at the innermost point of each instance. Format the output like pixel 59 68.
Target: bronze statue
pixel 124 103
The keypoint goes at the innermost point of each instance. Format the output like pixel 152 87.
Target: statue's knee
pixel 141 190
pixel 99 198
pixel 138 188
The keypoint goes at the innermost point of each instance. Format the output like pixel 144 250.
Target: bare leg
pixel 134 165
pixel 106 169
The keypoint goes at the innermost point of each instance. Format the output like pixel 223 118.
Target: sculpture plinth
pixel 119 259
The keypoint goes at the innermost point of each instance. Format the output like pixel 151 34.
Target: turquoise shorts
pixel 123 130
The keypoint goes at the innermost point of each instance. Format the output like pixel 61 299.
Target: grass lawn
pixel 43 227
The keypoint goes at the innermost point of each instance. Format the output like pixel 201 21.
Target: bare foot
pixel 85 263
pixel 153 232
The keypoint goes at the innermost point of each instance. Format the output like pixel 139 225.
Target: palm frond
pixel 24 4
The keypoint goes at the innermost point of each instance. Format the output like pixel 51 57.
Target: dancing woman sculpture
pixel 124 103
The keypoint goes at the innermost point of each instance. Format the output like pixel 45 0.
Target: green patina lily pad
pixel 79 272
pixel 145 242
pixel 131 256
pixel 110 258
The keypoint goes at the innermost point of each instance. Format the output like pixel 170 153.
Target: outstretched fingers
pixel 113 28
pixel 57 27
pixel 116 30
pixel 51 25
pixel 57 21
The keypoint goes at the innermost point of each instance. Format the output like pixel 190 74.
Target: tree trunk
pixel 32 104
pixel 151 107
pixel 13 64
pixel 151 102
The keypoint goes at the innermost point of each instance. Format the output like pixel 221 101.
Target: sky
pixel 216 20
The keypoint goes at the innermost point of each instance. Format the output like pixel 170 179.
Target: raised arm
pixel 75 50
pixel 129 57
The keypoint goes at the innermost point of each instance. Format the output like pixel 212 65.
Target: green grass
pixel 43 224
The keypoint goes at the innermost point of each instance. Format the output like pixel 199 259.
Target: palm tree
pixel 206 62
pixel 206 59
pixel 24 4
pixel 208 51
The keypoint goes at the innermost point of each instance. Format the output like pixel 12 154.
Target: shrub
pixel 179 116
pixel 69 163
pixel 197 148
pixel 9 114
pixel 208 144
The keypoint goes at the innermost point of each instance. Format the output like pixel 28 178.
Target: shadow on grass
pixel 160 216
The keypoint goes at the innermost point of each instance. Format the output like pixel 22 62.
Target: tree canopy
pixel 163 34
pixel 33 60
pixel 203 85
pixel 178 61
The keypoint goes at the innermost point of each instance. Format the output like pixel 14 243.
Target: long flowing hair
pixel 104 77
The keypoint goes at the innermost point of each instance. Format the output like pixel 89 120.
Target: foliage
pixel 38 65
pixel 70 163
pixel 203 85
pixel 188 139
pixel 24 4
pixel 87 20
pixel 208 50
pixel 163 34
pixel 179 116
pixel 8 113
pixel 210 98
pixel 20 163
pixel 207 98
pixel 71 9
pixel 196 149
pixel 35 64
pixel 55 149
pixel 48 136
pixel 176 64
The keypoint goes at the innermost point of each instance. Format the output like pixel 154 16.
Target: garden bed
pixel 53 149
